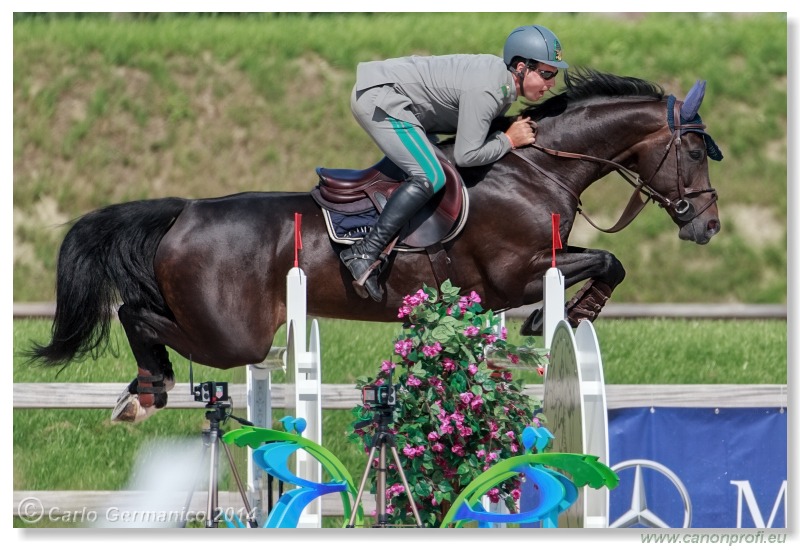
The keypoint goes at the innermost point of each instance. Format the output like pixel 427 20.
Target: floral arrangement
pixel 456 414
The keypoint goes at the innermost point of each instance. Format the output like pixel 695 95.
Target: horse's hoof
pixel 129 409
pixel 126 410
pixel 533 325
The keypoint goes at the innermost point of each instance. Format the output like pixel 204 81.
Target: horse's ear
pixel 693 100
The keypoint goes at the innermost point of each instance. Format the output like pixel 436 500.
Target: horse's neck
pixel 603 131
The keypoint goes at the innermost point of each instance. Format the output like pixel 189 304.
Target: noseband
pixel 680 209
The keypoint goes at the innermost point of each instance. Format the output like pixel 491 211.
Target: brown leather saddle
pixel 352 200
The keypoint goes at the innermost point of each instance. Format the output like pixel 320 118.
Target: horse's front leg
pixel 148 391
pixel 602 272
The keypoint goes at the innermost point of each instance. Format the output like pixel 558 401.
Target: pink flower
pixel 513 358
pixel 413 381
pixel 395 490
pixel 466 301
pixel 476 403
pixel 490 338
pixel 472 369
pixel 491 457
pixel 413 300
pixel 540 370
pixel 448 364
pixel 480 453
pixel 387 367
pixel 503 333
pixel 464 431
pixel 436 384
pixel 403 312
pixel 403 347
pixel 494 495
pixel 537 422
pixel 409 451
pixel 433 436
pixel 466 397
pixel 515 494
pixel 471 331
pixel 458 450
pixel 432 351
pixel 437 447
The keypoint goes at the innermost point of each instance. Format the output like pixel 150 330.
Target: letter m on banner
pixel 746 495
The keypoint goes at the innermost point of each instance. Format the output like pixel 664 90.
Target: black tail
pixel 107 256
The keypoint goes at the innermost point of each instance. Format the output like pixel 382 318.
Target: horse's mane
pixel 584 84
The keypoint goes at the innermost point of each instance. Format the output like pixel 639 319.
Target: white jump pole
pixel 305 362
pixel 553 303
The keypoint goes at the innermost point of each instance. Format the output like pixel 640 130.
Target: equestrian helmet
pixel 536 43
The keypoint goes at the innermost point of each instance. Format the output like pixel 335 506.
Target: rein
pixel 682 209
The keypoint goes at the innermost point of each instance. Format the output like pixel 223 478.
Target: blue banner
pixel 698 467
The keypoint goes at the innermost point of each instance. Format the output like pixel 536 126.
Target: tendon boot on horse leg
pixel 364 259
pixel 587 302
pixel 148 391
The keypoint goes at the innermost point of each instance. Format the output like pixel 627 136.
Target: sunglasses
pixel 546 75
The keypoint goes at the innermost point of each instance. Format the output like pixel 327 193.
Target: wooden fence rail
pixel 610 311
pixel 66 395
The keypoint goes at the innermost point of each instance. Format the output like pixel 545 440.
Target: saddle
pixel 351 201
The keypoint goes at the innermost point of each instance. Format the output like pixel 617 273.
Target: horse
pixel 206 277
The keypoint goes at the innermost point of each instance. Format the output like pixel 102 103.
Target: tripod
pixel 217 412
pixel 380 442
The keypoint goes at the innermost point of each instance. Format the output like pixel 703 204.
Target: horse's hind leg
pixel 148 391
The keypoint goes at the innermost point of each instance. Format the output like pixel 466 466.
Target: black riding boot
pixel 363 257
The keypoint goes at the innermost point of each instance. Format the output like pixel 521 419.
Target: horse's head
pixel 668 150
pixel 677 167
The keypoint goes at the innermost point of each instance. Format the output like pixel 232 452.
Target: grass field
pixel 92 453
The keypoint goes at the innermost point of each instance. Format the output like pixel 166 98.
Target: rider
pixel 399 101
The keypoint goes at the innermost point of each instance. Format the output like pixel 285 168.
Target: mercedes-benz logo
pixel 639 512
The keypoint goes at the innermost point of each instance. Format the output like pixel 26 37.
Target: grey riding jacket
pixel 447 94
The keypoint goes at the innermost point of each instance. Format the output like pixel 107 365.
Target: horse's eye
pixel 696 154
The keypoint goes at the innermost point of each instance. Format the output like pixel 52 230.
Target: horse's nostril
pixel 713 227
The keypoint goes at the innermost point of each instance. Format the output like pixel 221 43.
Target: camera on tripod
pixel 379 396
pixel 211 392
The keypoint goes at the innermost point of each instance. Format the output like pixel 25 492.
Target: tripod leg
pixel 405 485
pixel 356 503
pixel 380 488
pixel 213 501
pixel 250 517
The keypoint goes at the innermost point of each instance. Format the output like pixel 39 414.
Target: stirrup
pixel 373 271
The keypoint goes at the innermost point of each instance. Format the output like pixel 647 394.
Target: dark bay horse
pixel 207 277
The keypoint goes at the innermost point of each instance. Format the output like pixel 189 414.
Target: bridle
pixel 680 209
